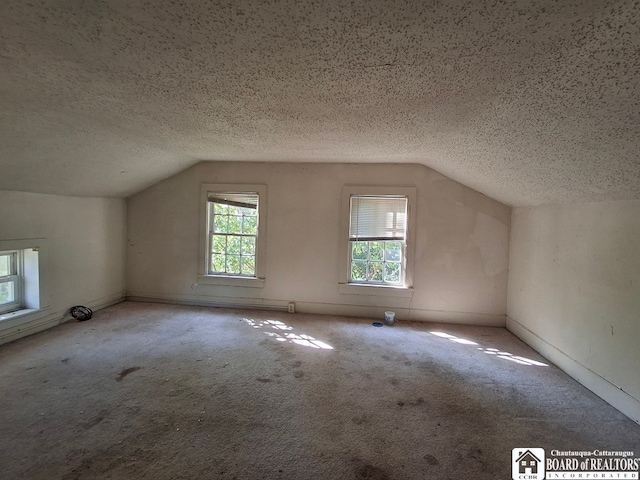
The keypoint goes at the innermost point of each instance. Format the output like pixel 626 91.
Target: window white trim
pixel 32 260
pixel 375 290
pixel 344 286
pixel 261 245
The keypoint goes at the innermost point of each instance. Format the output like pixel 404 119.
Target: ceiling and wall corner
pixel 526 102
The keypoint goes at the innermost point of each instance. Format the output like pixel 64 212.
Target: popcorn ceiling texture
pixel 527 102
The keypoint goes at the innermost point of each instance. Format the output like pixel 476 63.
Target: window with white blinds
pixel 377 232
pixel 378 225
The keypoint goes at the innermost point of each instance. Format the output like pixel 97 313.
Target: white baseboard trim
pixel 216 302
pixel 18 330
pixel 412 314
pixel 606 390
pixel 463 318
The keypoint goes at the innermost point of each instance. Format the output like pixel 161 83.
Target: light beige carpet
pixel 173 392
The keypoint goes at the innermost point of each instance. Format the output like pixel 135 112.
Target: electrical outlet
pixel 291 308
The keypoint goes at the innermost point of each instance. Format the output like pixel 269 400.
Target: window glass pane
pixel 219 244
pixel 247 212
pixel 376 251
pixel 5 265
pixel 250 225
pixel 235 224
pixel 359 250
pixel 218 263
pixel 392 251
pixel 7 292
pixel 359 271
pixel 375 271
pixel 221 209
pixel 234 245
pixel 248 265
pixel 233 264
pixel 248 245
pixel 392 272
pixel 220 223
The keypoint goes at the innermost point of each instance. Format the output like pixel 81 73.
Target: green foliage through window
pixel 376 262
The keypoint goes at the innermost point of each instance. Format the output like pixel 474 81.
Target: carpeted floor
pixel 173 392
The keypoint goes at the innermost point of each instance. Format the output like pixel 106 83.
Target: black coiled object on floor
pixel 81 313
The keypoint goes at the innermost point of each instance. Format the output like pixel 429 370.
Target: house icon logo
pixel 527 464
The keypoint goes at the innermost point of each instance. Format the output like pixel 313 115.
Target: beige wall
pixel 461 249
pixel 84 261
pixel 574 293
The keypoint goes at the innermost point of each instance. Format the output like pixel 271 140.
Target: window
pixel 22 285
pixel 377 232
pixel 233 235
pixel 378 228
pixel 10 284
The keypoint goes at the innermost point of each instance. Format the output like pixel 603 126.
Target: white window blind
pixel 244 199
pixel 378 218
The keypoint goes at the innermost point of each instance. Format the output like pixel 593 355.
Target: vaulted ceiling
pixel 528 102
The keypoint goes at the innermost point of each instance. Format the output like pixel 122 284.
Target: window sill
pixel 25 312
pixel 231 281
pixel 377 290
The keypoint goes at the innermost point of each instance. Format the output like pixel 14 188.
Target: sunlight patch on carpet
pixel 491 351
pixel 283 333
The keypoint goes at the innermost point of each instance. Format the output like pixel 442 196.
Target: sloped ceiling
pixel 528 102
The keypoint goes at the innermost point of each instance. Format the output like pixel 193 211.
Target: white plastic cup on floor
pixel 389 317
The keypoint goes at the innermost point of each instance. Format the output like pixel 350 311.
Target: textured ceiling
pixel 527 101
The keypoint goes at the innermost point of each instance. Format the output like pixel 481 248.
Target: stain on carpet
pixel 264 380
pixel 361 420
pixel 116 461
pixel 97 419
pixel 298 374
pixel 431 460
pixel 367 471
pixel 476 455
pixel 126 372
pixel 417 403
